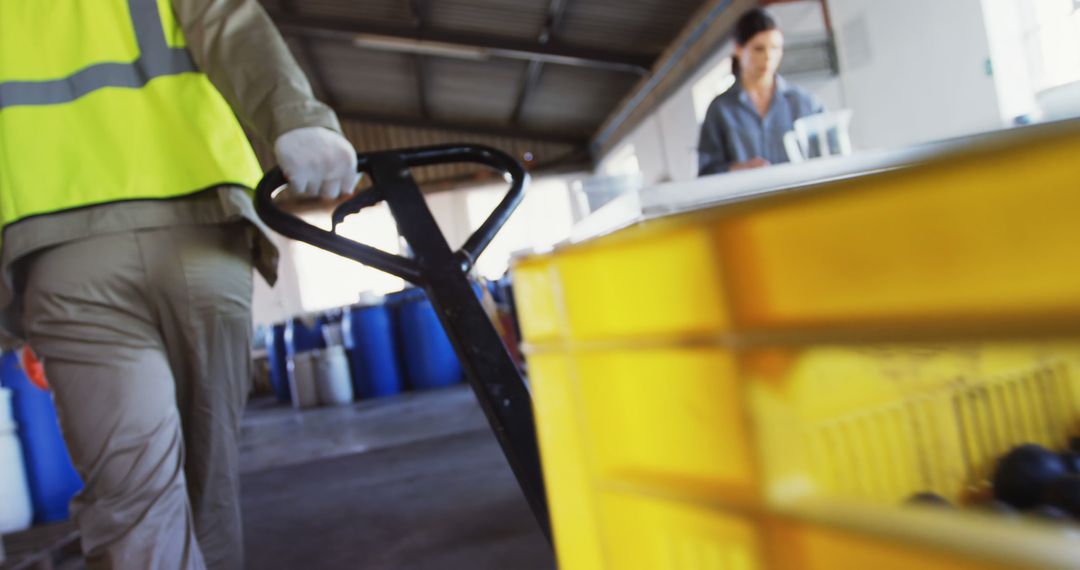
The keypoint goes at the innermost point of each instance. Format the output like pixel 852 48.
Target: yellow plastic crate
pixel 762 384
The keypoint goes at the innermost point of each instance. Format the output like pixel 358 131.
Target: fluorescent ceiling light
pixel 420 47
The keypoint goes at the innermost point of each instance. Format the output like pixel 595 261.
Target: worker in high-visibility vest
pixel 128 243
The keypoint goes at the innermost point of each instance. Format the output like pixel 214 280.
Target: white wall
pixel 805 21
pixel 272 305
pixel 312 279
pixel 331 281
pixel 451 212
pixel 544 218
pixel 649 143
pixel 681 131
pixel 1016 91
pixel 914 71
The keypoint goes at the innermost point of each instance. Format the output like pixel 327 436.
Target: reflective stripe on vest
pixel 144 125
pixel 156 59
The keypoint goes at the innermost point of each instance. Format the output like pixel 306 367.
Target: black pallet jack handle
pixel 495 378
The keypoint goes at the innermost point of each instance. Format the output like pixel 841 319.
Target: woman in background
pixel 745 125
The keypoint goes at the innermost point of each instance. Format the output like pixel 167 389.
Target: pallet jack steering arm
pixel 495 379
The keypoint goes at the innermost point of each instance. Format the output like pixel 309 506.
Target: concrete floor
pixel 415 482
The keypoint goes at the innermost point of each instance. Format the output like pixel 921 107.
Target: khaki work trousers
pixel 145 338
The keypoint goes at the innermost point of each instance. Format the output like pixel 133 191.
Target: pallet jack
pixel 496 380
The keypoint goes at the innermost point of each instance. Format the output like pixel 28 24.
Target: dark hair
pixel 750 24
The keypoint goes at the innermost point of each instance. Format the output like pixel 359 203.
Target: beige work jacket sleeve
pixel 237 46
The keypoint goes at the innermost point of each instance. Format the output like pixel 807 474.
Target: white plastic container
pixel 332 334
pixel 820 135
pixel 332 377
pixel 592 193
pixel 1061 102
pixel 302 383
pixel 16 512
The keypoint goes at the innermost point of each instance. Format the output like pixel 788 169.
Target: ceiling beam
pixel 572 139
pixel 420 63
pixel 420 20
pixel 419 9
pixel 556 12
pixel 318 76
pixel 484 45
pixel 528 86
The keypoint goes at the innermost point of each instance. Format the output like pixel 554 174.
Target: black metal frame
pixel 495 378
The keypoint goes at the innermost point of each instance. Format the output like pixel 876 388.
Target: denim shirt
pixel 733 130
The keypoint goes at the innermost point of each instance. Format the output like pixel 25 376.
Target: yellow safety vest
pixel 100 102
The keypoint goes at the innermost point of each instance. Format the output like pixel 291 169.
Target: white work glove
pixel 317 162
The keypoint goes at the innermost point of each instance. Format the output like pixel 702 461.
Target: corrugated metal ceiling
pixel 513 18
pixel 492 72
pixel 594 94
pixel 473 91
pixel 376 82
pixel 636 26
pixel 376 11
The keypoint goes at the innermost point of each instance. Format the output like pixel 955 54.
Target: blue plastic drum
pixel 275 353
pixel 52 478
pixel 301 338
pixel 426 353
pixel 368 336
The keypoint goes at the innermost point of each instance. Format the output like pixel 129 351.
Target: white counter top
pixel 675 197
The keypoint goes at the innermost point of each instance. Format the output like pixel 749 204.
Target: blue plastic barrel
pixel 301 338
pixel 52 477
pixel 368 336
pixel 275 353
pixel 426 353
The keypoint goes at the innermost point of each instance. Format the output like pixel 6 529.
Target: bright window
pixel 623 161
pixel 1051 35
pixel 543 219
pixel 328 280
